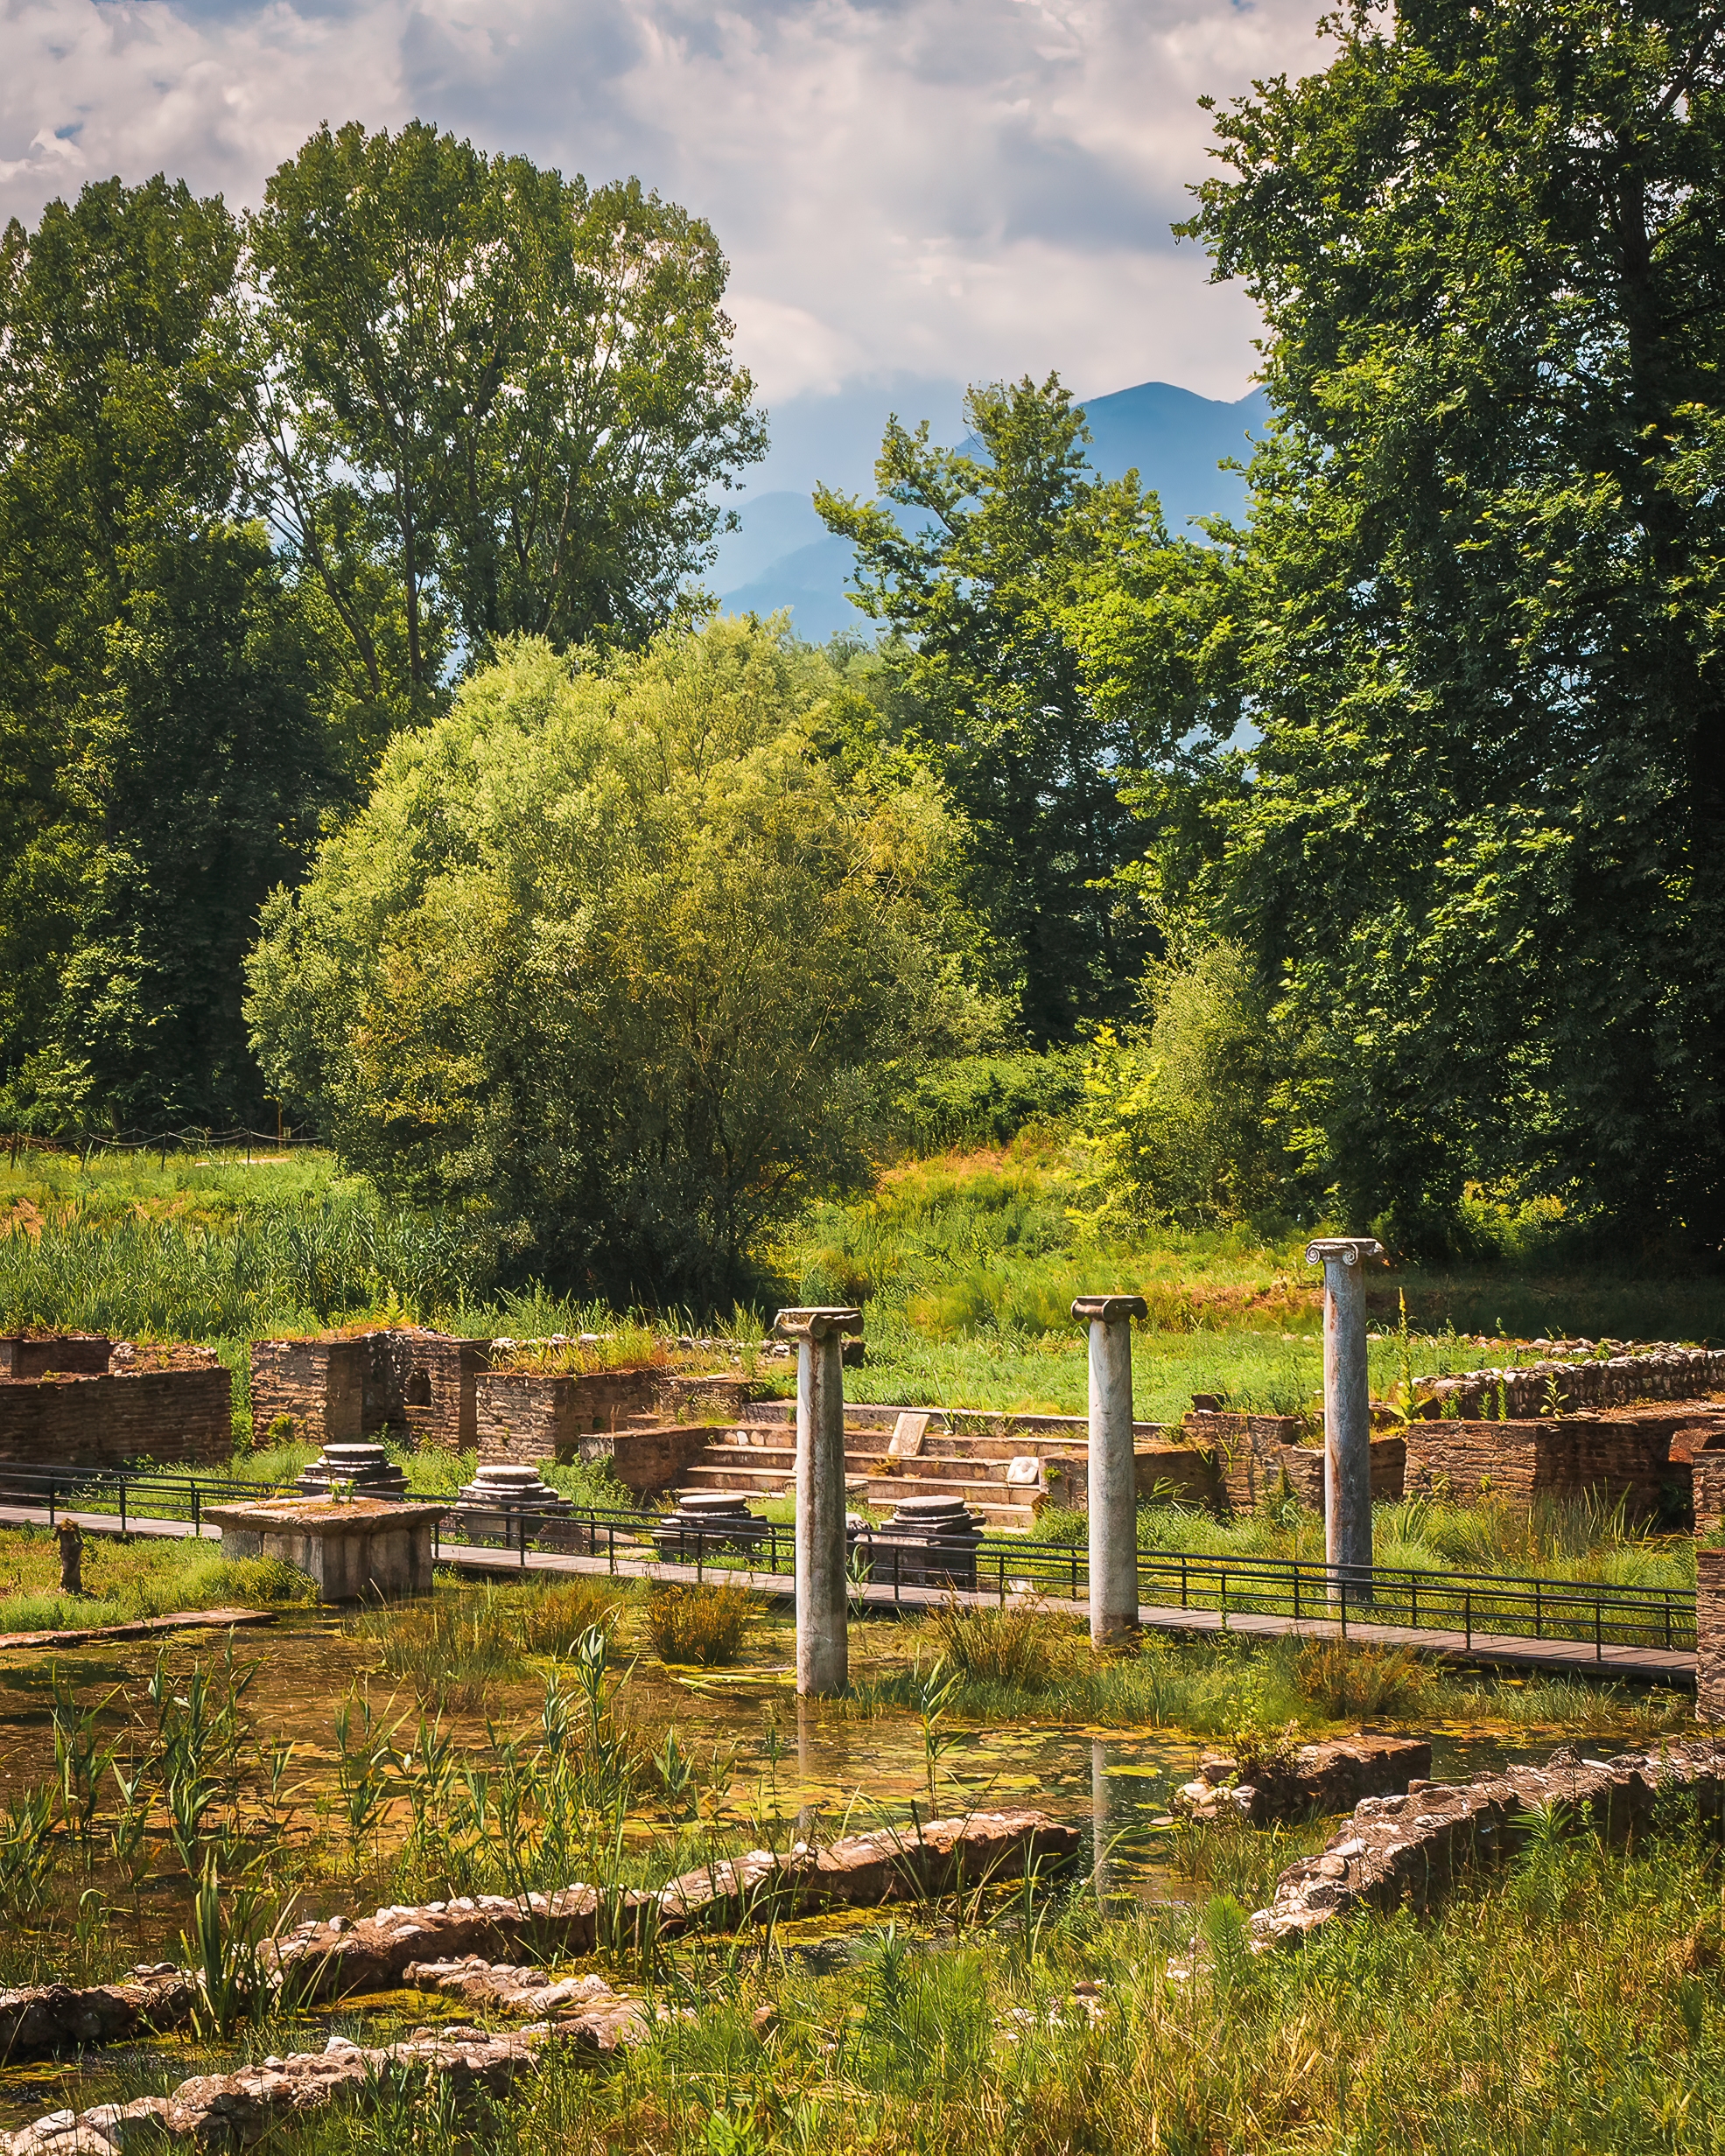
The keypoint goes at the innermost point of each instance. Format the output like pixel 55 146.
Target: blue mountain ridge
pixel 784 556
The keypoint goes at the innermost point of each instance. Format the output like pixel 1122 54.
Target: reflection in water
pixel 849 1772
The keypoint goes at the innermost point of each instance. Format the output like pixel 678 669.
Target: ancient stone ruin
pixel 343 1388
pixel 84 1401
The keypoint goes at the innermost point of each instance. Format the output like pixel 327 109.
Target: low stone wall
pixel 633 1420
pixel 1257 1451
pixel 1414 1848
pixel 1180 1472
pixel 1317 1778
pixel 174 1418
pixel 1666 1373
pixel 1614 1459
pixel 336 1958
pixel 65 1355
pixel 647 1462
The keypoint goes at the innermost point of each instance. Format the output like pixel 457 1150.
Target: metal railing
pixel 145 1494
pixel 1472 1605
pixel 1467 1605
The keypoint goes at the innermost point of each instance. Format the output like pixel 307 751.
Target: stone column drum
pixel 1113 1475
pixel 1347 1412
pixel 1710 1637
pixel 822 1649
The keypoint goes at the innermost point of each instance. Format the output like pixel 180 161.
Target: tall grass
pixel 315 1262
pixel 1570 2005
pixel 124 1581
pixel 454 1646
pixel 701 1625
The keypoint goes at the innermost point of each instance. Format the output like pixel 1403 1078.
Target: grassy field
pixel 965 1266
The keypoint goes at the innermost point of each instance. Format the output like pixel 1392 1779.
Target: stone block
pixel 370 1550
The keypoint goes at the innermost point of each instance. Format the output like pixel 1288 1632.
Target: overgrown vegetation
pixel 703 1625
pixel 125 1580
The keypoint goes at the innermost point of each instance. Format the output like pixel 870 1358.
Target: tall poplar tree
pixel 1483 853
pixel 161 760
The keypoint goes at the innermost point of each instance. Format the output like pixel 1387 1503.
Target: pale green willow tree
pixel 611 953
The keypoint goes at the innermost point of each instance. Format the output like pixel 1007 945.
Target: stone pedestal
pixel 706 1522
pixel 516 1494
pixel 369 1468
pixel 366 1550
pixel 929 1542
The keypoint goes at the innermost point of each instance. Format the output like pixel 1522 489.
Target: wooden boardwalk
pixel 1641 1665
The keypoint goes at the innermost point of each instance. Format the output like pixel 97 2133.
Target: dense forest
pixel 368 745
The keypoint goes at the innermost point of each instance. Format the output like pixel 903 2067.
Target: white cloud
pixel 947 188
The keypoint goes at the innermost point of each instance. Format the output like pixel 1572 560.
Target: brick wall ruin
pixel 173 1416
pixel 336 1390
pixel 1256 1451
pixel 646 1425
pixel 83 1354
pixel 1613 1457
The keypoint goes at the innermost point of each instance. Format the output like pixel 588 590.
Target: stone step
pixel 767 1481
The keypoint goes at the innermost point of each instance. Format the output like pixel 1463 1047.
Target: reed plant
pixel 1571 2003
pixel 702 1624
pixel 454 1647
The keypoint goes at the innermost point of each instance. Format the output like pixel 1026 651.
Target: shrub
pixel 1021 1644
pixel 550 1623
pixel 1344 1681
pixel 700 1624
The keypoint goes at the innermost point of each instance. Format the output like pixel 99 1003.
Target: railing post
pixel 197 1522
pixel 822 1597
pixel 1347 1405
pixel 123 1508
pixel 1111 1470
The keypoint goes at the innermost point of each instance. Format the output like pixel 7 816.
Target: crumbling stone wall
pixel 1257 1451
pixel 317 1385
pixel 171 1417
pixel 426 1382
pixel 532 1415
pixel 1663 1374
pixel 338 1391
pixel 1182 1470
pixel 1626 1457
pixel 81 1355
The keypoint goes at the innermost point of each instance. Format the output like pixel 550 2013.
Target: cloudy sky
pixel 914 193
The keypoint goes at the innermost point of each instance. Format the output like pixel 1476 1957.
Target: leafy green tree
pixel 493 401
pixel 162 763
pixel 1480 854
pixel 1189 1120
pixel 611 954
pixel 991 566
